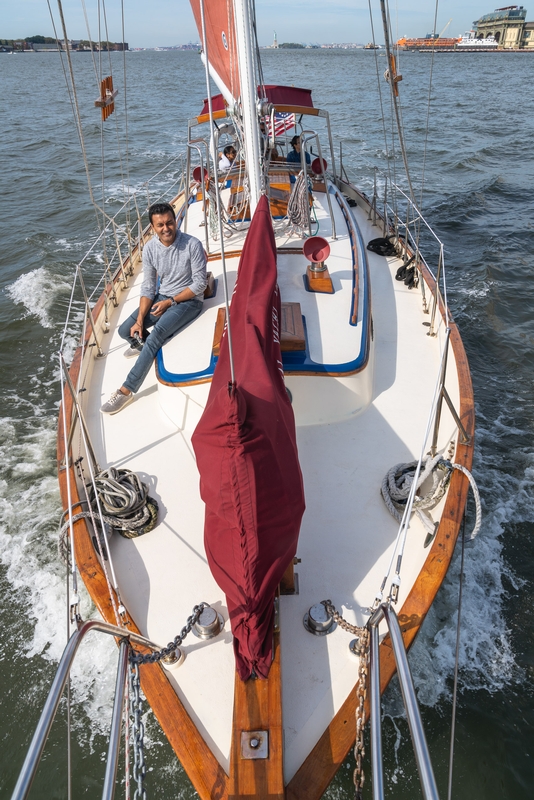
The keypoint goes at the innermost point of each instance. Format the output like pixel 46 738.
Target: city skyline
pixel 305 21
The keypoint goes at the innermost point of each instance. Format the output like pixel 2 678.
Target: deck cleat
pixel 174 659
pixel 318 621
pixel 355 647
pixel 209 624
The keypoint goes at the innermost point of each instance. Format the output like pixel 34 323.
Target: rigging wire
pixel 418 223
pixel 232 53
pixel 67 84
pixel 90 43
pixel 382 115
pixel 387 26
pixel 69 717
pixel 126 139
pixel 456 663
pixel 119 149
pixel 255 32
pixel 398 547
pixel 217 194
pixel 428 105
pixel 77 116
pixel 101 75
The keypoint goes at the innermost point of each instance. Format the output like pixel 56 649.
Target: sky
pixel 170 22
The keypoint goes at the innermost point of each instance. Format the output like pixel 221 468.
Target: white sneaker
pixel 116 402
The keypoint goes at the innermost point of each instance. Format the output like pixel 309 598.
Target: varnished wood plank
pixel 258 706
pixel 355 259
pixel 287 584
pixel 314 112
pixel 320 282
pixel 292 335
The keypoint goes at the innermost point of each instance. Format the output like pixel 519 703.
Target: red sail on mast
pixel 246 450
pixel 221 43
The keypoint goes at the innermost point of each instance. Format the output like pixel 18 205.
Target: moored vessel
pixel 470 41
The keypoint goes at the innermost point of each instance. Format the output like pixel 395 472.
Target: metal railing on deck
pixel 35 751
pixel 402 220
pixel 424 765
pixel 118 244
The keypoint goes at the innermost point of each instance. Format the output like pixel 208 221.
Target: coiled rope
pixel 398 481
pixel 126 506
pixel 298 203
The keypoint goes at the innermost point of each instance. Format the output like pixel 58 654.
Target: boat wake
pixel 37 291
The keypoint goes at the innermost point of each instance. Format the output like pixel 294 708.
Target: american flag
pixel 283 122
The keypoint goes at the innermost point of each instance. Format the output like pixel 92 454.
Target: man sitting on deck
pixel 293 157
pixel 227 157
pixel 179 261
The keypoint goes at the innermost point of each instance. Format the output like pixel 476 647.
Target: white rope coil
pixel 476 495
pixel 398 482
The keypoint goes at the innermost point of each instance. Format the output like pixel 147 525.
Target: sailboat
pixel 320 376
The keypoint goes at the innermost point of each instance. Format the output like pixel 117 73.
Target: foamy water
pixel 37 291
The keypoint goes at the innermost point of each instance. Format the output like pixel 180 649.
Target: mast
pixel 249 98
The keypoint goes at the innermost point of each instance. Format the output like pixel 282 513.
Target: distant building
pixel 508 27
pixel 40 47
pixel 77 45
pixel 275 42
pixel 527 40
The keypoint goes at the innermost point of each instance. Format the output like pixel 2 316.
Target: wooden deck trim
pixel 355 260
pixel 227 254
pixel 292 334
pixel 258 706
pixel 307 110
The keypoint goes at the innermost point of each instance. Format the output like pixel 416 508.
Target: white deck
pixel 346 534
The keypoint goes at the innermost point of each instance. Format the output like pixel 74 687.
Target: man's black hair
pixel 295 140
pixel 160 208
pixel 229 149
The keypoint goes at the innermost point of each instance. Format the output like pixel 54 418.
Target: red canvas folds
pixel 277 95
pixel 246 451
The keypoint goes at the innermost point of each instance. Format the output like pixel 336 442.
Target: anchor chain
pixel 138 732
pixel 361 696
pixel 136 702
pixel 158 655
pixel 331 609
pixel 362 633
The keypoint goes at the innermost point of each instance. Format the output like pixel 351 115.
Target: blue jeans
pixel 164 328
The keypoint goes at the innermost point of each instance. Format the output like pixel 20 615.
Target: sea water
pixel 474 148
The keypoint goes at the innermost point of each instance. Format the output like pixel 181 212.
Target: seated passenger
pixel 293 157
pixel 227 157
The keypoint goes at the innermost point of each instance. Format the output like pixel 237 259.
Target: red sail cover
pixel 277 95
pixel 246 451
